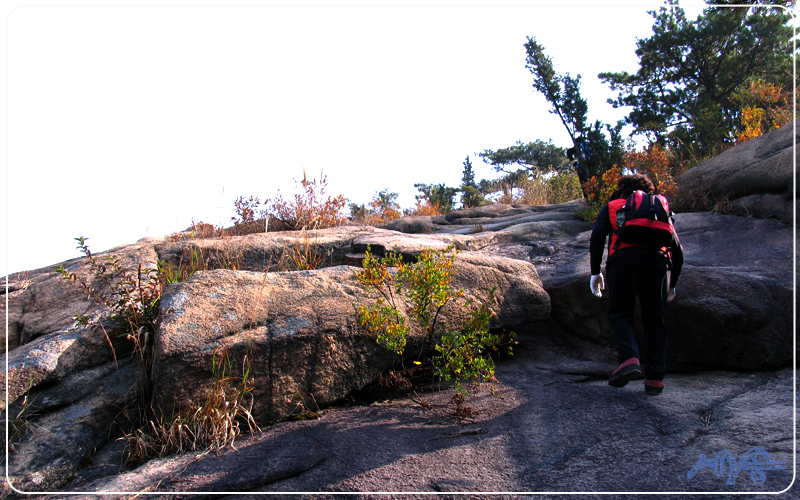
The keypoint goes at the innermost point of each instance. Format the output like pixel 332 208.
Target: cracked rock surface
pixel 545 431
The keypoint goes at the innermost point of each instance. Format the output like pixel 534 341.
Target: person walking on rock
pixel 645 258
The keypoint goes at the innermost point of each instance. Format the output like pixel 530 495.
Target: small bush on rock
pixel 309 209
pixel 131 295
pixel 381 209
pixel 203 230
pixel 307 256
pixel 460 350
pixel 425 208
pixel 20 425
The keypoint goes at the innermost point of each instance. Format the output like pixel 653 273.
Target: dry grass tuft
pixel 211 424
pixel 307 256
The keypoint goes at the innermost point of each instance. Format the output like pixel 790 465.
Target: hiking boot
pixel 653 387
pixel 627 371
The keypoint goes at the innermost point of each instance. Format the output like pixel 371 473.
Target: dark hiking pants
pixel 645 276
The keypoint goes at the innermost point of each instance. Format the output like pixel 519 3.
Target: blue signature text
pixel 756 460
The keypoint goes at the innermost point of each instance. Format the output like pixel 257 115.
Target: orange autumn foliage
pixel 654 162
pixel 764 107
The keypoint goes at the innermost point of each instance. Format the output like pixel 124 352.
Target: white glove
pixel 670 294
pixel 596 285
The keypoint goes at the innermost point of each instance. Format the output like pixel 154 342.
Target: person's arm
pixel 597 244
pixel 676 254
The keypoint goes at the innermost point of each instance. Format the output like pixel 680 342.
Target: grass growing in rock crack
pixel 130 295
pixel 307 256
pixel 209 424
pixel 20 425
pixel 302 411
pixel 197 258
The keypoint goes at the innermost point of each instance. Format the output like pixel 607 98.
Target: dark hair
pixel 615 195
pixel 627 184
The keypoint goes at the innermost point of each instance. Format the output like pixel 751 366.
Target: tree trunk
pixel 581 168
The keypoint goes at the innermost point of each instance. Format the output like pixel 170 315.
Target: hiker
pixel 646 262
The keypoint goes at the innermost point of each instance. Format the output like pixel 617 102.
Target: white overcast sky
pixel 133 120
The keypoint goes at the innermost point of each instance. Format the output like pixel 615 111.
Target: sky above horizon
pixel 133 121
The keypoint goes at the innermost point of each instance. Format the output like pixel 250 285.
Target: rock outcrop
pixel 753 179
pixel 507 223
pixel 299 330
pixel 557 425
pixel 41 302
pixel 69 423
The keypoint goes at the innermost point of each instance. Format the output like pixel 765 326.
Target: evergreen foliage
pixel 471 195
pixel 592 151
pixel 683 95
pixel 437 195
pixel 537 157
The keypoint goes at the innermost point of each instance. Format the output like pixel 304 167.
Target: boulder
pixel 53 357
pixel 754 178
pixel 41 302
pixel 298 330
pixel 408 245
pixel 78 417
pixel 734 307
pixel 41 315
pixel 275 251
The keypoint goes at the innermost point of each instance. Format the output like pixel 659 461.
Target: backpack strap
pixel 619 205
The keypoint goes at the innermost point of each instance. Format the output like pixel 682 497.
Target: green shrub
pixel 460 350
pixel 564 187
pixel 437 195
pixel 382 318
pixel 462 353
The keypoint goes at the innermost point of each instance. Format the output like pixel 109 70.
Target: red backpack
pixel 641 220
